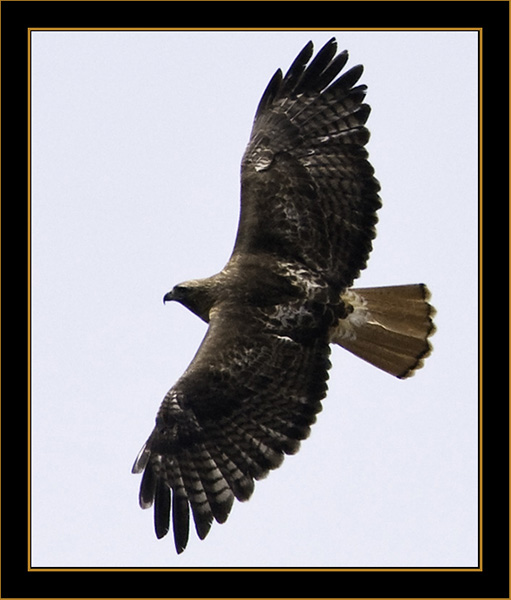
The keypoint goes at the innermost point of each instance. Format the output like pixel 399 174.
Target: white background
pixel 136 144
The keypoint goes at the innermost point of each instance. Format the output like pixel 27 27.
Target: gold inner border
pixel 480 325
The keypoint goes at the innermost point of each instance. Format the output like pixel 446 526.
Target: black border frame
pixel 492 581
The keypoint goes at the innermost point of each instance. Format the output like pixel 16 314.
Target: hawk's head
pixel 195 294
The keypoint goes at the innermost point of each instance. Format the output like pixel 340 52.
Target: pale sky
pixel 137 139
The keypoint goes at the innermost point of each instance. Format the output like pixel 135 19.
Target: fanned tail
pixel 388 327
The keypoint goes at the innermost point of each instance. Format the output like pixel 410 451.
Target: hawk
pixel 308 213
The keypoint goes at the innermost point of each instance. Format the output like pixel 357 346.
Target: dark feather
pixel 270 92
pixel 161 508
pixel 147 488
pixel 311 80
pixel 233 415
pixel 308 192
pixel 296 70
pixel 180 520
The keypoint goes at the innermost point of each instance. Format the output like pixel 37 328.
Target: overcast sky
pixel 136 145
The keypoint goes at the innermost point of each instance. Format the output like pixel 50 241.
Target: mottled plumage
pixel 308 210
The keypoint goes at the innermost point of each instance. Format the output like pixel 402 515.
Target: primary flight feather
pixel 308 213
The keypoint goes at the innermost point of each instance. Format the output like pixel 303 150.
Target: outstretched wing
pixel 307 190
pixel 248 397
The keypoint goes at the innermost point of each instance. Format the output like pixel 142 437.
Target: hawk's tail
pixel 388 327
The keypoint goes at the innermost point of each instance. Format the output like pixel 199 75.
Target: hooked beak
pixel 169 296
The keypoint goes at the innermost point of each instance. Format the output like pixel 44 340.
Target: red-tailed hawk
pixel 308 213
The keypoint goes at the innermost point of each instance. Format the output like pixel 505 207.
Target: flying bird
pixel 308 213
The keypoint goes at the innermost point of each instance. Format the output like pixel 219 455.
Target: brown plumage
pixel 389 327
pixel 308 210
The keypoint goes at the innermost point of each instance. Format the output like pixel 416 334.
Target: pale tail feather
pixel 388 327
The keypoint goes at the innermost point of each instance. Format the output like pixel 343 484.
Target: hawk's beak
pixel 169 296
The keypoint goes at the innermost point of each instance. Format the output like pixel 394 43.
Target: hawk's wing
pixel 246 399
pixel 307 190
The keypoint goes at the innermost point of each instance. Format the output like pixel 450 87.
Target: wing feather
pixel 246 400
pixel 308 192
pixel 161 506
pixel 180 515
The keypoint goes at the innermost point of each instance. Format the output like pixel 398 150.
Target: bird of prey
pixel 308 213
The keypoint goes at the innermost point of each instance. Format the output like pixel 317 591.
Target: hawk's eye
pixel 180 291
